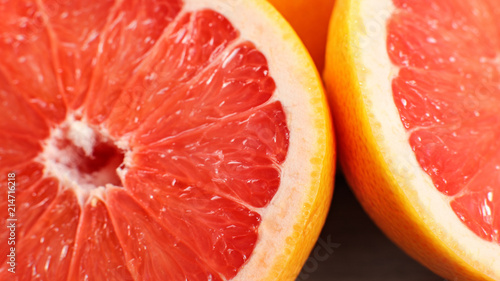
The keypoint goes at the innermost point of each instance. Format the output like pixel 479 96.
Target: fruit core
pixel 83 157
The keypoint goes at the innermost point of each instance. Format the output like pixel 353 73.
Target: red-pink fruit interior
pixel 190 97
pixel 447 95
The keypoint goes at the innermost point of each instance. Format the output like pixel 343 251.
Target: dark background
pixel 351 248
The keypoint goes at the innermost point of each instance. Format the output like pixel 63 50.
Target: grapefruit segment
pixel 477 204
pixel 98 253
pixel 221 231
pixel 478 212
pixel 48 247
pixel 237 81
pixel 442 154
pixel 35 200
pixel 167 257
pixel 75 28
pixel 29 123
pixel 196 40
pixel 244 168
pixel 142 22
pixel 439 107
pixel 31 175
pixel 27 59
pixel 17 150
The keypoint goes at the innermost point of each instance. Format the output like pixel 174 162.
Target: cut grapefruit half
pixel 414 92
pixel 159 140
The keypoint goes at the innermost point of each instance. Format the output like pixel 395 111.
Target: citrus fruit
pixel 414 91
pixel 159 140
pixel 310 20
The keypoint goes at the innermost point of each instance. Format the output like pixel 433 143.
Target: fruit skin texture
pixel 310 20
pixel 362 160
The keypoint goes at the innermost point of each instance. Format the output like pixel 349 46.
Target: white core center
pixel 82 158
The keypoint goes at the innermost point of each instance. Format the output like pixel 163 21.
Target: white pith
pixel 370 52
pixel 293 90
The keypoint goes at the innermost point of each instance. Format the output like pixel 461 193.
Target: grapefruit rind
pixel 377 157
pixel 292 221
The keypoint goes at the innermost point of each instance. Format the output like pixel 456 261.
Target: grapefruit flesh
pixel 447 95
pixel 146 139
pixel 413 91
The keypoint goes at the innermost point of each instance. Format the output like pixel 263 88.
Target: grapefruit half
pixel 159 140
pixel 414 92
